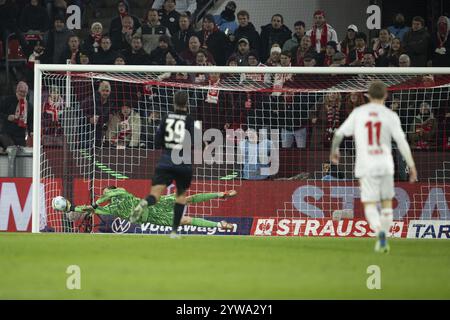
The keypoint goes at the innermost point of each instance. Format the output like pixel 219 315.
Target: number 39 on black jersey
pixel 173 130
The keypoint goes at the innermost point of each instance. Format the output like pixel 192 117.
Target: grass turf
pixel 197 267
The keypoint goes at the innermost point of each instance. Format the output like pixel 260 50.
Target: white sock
pixel 387 216
pixel 373 217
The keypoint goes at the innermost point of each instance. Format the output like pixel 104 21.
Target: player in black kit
pixel 171 136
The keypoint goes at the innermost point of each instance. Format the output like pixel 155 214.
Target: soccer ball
pixel 59 203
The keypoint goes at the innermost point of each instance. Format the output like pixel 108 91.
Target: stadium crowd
pixel 165 35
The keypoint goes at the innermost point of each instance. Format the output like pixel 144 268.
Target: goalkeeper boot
pixel 229 194
pixel 382 246
pixel 136 214
pixel 225 225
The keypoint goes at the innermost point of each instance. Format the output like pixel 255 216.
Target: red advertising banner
pixel 309 227
pixel 295 200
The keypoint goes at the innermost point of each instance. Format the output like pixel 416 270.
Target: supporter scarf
pixel 73 57
pixel 327 61
pixel 53 108
pixel 323 36
pixel 124 126
pixel 97 37
pixel 213 93
pixel 300 56
pixel 333 121
pixel 442 34
pixel 21 113
pixel 360 53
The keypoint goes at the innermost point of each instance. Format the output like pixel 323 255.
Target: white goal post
pixel 386 74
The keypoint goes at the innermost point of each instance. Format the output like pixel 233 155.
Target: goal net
pixel 266 134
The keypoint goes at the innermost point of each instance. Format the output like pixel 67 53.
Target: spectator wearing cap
pixel 321 32
pixel 299 52
pixel 16 115
pixel 117 28
pixel 136 55
pixel 182 6
pixel 34 17
pixel 105 54
pixel 226 20
pixel 382 44
pixel 355 57
pixel 247 30
pixel 213 40
pixel 325 59
pixel 339 60
pixel 92 43
pixel 299 32
pixel 124 128
pixel 399 28
pixel 189 55
pixel 169 17
pixel 417 43
pixel 151 30
pixel 158 56
pixel 275 55
pixel 348 44
pixel 242 52
pixel 181 38
pixel 441 43
pixel 368 59
pixel 275 32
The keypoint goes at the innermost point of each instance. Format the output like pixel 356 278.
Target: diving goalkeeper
pixel 121 203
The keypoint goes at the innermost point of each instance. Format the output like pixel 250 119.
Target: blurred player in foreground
pixel 373 126
pixel 121 203
pixel 173 134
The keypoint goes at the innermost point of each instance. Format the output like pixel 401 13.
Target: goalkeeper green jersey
pixel 121 203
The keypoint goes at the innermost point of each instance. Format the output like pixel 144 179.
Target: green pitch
pixel 195 267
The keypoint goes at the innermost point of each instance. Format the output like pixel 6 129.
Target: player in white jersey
pixel 373 127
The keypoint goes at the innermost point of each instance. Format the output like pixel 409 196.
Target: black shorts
pixel 166 175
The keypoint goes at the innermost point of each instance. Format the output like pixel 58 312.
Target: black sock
pixel 151 200
pixel 178 210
